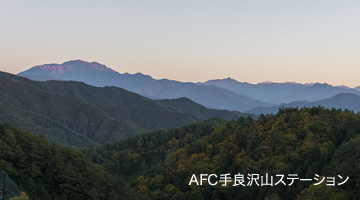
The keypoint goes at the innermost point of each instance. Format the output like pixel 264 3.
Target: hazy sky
pixel 189 40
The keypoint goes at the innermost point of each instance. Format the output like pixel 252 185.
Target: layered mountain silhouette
pixel 227 93
pixel 74 113
pixel 99 75
pixel 278 93
pixel 343 101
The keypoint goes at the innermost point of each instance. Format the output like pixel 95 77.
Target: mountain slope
pixel 344 101
pixel 74 113
pixel 114 96
pixel 99 75
pixel 187 106
pixel 209 96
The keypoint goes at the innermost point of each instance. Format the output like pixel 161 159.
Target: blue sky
pixel 253 41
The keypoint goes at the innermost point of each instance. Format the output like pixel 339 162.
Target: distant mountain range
pixel 226 93
pixel 73 113
pixel 277 93
pixel 99 75
pixel 344 101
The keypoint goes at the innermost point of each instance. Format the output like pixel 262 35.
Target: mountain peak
pixel 321 85
pixel 94 66
pixel 346 95
pixel 224 80
pixel 77 66
pixel 266 82
pixel 229 79
pixel 284 83
pixel 78 61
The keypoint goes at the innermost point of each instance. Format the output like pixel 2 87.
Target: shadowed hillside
pixel 81 115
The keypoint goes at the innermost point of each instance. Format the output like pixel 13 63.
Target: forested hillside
pixel 310 143
pixel 52 172
pixel 73 113
pixel 306 142
pixel 140 153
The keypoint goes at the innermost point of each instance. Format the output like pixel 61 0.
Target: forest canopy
pixel 306 142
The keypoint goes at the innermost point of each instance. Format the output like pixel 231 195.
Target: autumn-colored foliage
pixel 305 142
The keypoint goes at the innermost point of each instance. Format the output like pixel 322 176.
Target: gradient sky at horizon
pixel 253 41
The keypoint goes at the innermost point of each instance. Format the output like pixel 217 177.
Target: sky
pixel 189 40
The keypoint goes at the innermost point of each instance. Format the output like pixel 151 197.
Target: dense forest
pixel 159 165
pixel 306 142
pixel 52 172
